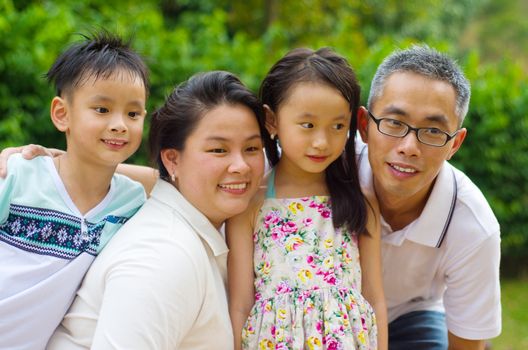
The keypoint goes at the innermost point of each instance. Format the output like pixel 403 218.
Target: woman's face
pixel 222 163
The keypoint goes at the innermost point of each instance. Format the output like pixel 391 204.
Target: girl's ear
pixel 59 114
pixel 170 159
pixel 271 120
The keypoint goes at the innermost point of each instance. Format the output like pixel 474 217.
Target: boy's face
pixel 103 118
pixel 404 169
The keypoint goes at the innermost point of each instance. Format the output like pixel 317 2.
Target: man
pixel 440 239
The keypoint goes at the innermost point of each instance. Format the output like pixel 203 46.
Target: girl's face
pixel 222 163
pixel 312 125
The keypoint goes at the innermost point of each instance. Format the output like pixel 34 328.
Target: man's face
pixel 404 169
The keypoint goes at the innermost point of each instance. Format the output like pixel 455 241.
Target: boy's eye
pixel 307 125
pixel 134 115
pixel 101 110
pixel 217 150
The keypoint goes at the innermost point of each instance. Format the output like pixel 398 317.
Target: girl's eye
pixel 101 110
pixel 307 125
pixel 134 115
pixel 339 126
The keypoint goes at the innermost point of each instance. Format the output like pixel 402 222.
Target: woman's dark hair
pixel 99 55
pixel 173 122
pixel 326 67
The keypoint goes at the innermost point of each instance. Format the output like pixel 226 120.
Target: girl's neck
pixel 293 182
pixel 86 184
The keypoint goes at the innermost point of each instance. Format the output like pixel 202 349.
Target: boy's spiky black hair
pixel 99 55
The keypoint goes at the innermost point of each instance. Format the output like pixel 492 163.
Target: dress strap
pixel 270 191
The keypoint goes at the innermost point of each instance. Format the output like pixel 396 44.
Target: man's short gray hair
pixel 423 60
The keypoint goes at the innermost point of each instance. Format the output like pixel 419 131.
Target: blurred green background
pixel 179 38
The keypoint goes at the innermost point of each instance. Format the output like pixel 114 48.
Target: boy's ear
pixel 271 120
pixel 59 113
pixel 362 123
pixel 170 159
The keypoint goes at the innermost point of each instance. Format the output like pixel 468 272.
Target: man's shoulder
pixel 472 211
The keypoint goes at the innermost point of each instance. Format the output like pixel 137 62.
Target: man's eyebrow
pixel 435 118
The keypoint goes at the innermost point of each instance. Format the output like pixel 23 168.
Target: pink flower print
pixel 319 326
pixel 273 330
pixel 277 234
pixel 325 213
pixel 313 204
pixel 283 287
pixel 311 261
pixel 271 219
pixel 281 346
pixel 307 222
pixel 293 242
pixel 330 278
pixel 331 342
pixel 258 296
pixel 289 227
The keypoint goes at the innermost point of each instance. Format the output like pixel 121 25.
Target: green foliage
pixel 180 38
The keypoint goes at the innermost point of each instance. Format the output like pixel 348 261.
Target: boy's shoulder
pixel 125 188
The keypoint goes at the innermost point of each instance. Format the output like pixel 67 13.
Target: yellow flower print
pixel 328 243
pixel 361 337
pixel 295 207
pixel 265 268
pixel 268 306
pixel 281 314
pixel 305 275
pixel 313 343
pixel 328 262
pixel 293 242
pixel 265 344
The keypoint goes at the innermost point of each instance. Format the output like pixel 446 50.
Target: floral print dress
pixel 308 281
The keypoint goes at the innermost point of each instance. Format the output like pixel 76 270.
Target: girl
pixel 294 261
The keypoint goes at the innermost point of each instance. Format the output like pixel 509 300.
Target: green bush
pixel 181 38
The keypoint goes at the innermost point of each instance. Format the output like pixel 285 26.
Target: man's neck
pixel 400 211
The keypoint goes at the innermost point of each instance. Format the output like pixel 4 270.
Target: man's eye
pixel 101 110
pixel 433 131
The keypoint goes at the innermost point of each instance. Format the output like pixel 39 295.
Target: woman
pixel 160 282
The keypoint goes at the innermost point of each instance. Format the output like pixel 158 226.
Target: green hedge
pixel 184 37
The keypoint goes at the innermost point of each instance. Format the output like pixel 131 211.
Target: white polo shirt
pixel 447 259
pixel 158 284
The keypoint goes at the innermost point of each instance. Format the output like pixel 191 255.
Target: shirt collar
pixel 169 195
pixel 431 226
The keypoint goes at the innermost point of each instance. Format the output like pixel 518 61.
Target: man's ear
pixel 362 123
pixel 458 140
pixel 270 121
pixel 59 113
pixel 170 159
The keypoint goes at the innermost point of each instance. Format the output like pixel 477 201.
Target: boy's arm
pixel 144 175
pixel 239 236
pixel 371 275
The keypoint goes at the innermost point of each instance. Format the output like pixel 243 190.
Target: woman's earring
pixel 173 177
pixel 272 136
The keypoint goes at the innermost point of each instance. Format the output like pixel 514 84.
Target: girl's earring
pixel 173 177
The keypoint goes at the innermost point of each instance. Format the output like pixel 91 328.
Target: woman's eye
pixel 307 125
pixel 253 149
pixel 101 110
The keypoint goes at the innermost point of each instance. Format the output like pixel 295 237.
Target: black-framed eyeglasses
pixel 396 128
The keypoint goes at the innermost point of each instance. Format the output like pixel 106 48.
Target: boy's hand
pixel 28 152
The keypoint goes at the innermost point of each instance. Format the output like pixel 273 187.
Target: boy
pixel 57 214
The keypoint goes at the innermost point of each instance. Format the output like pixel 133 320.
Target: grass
pixel 514 334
